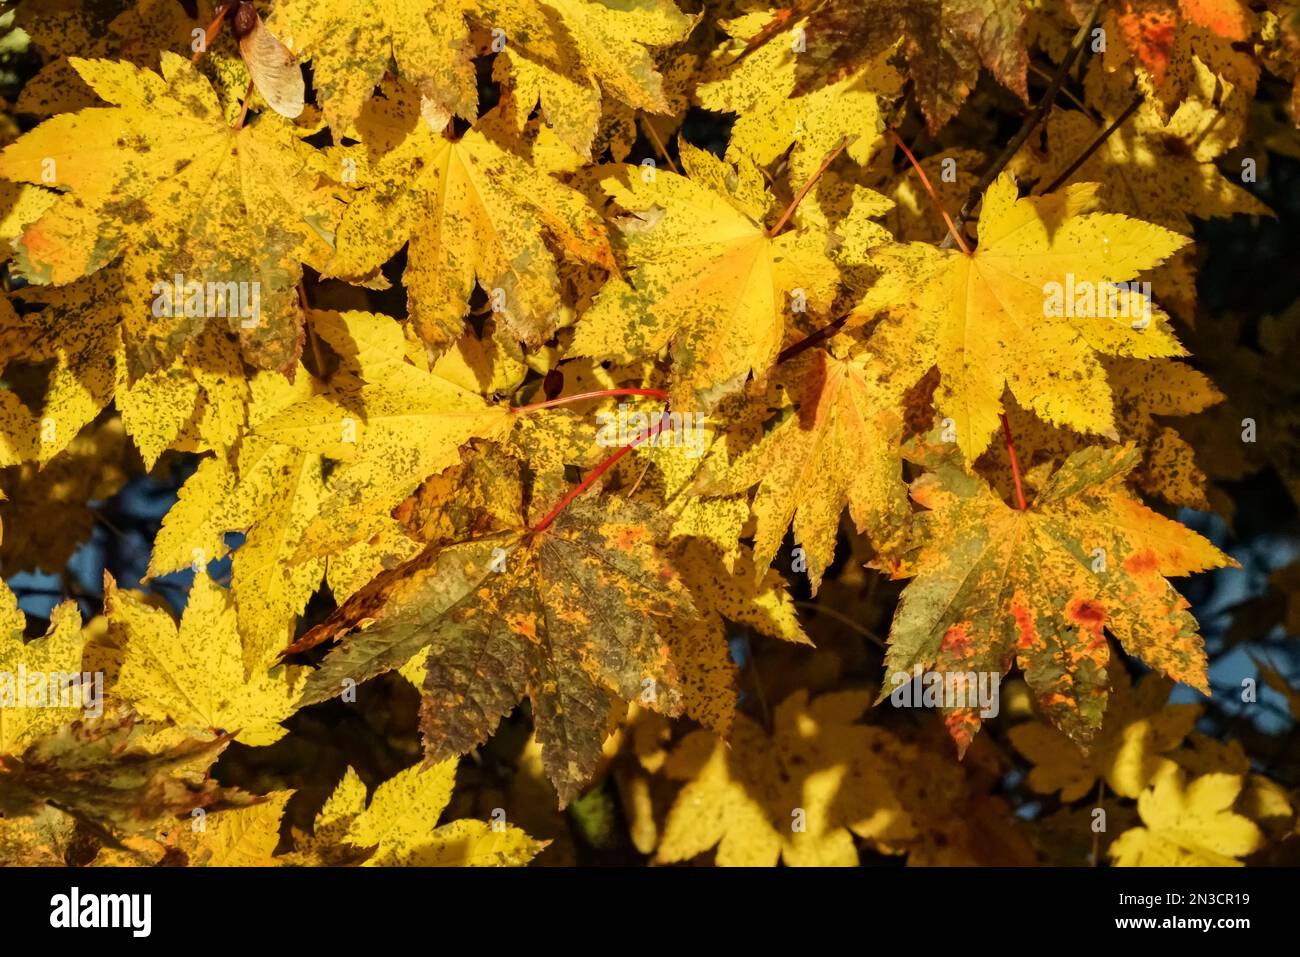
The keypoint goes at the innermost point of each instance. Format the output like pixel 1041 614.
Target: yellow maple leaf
pixel 162 176
pixel 699 647
pixel 399 822
pixel 564 55
pixel 239 837
pixel 1128 751
pixel 1188 825
pixel 1143 389
pixel 708 283
pixel 990 320
pixel 196 403
pixel 390 434
pixel 836 444
pixel 271 492
pixel 37 840
pixel 53 501
pixel 759 87
pixel 193 530
pixel 24 718
pixel 795 795
pixel 1160 169
pixel 472 211
pixel 76 331
pixel 351 46
pixel 278 494
pixel 20 206
pixel 136 31
pixel 193 675
pixel 528 599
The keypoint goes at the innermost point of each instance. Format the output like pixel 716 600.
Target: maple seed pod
pixel 272 65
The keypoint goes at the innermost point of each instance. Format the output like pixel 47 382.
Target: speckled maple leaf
pixel 1040 586
pixel 569 617
pixel 945 42
pixel 983 317
pixel 163 177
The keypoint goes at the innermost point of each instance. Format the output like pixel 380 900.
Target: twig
pixel 844 620
pixel 1096 835
pixel 311 329
pixel 1101 137
pixel 1066 92
pixel 103 520
pixel 759 691
pixel 1031 123
pixel 645 470
pixel 659 144
pixel 815 338
pixel 212 30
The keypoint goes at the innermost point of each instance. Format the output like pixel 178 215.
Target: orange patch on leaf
pixel 963 724
pixel 1148 28
pixel 1227 18
pixel 525 625
pixel 627 538
pixel 1143 563
pixel 1024 625
pixel 956 639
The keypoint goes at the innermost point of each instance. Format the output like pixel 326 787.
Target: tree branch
pixel 1031 123
pixel 1101 137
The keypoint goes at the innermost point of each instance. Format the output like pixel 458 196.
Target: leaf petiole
pixel 598 471
pixel 1015 465
pixel 582 396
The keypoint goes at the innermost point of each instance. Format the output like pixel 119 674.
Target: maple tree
pixel 656 430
